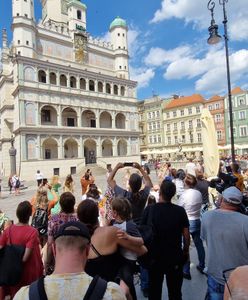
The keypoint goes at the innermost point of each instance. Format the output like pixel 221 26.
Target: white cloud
pixel 214 80
pixel 196 11
pixel 142 75
pixel 158 56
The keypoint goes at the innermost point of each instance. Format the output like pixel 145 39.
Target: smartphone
pixel 128 164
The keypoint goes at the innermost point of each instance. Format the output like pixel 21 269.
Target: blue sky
pixel 167 43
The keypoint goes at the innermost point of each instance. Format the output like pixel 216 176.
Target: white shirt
pixel 39 176
pixel 191 201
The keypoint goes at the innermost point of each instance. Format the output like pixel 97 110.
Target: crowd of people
pixel 93 246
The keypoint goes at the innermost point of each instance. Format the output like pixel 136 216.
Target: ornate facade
pixel 65 97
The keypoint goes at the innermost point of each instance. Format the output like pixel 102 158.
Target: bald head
pixel 238 284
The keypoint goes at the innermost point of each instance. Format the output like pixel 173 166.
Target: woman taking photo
pixel 25 235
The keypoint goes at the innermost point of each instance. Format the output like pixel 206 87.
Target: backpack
pixel 40 220
pixel 96 289
pixel 17 183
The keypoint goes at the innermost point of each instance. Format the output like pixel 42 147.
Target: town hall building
pixel 66 99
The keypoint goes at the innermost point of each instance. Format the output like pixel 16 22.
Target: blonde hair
pixel 54 180
pixel 41 196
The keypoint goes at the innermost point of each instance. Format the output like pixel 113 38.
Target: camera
pixel 128 164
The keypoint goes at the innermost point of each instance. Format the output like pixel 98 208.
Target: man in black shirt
pixel 170 225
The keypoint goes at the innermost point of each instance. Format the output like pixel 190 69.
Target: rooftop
pixel 118 22
pixel 237 90
pixel 215 98
pixel 185 101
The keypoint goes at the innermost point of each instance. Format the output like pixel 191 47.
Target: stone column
pixel 12 155
pixel 115 152
pixel 61 150
pixel 99 147
pixel 38 148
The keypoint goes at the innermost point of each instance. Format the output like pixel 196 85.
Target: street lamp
pixel 214 38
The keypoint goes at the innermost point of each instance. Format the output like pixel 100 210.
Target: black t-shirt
pixel 137 206
pixel 168 221
pixel 202 186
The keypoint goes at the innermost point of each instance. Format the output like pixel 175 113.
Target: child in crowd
pixel 121 209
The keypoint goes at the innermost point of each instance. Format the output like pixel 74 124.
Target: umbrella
pixel 210 146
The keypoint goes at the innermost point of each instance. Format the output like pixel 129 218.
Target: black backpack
pixel 18 183
pixel 96 289
pixel 40 220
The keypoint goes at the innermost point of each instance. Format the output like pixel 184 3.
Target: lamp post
pixel 214 38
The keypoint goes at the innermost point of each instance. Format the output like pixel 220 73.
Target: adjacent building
pixel 65 97
pixel 240 120
pixel 182 125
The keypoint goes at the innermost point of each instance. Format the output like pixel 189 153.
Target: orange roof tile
pixel 237 90
pixel 215 98
pixel 185 101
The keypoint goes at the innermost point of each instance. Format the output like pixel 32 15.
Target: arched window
pixel 100 87
pixel 42 76
pixel 115 89
pixel 82 84
pixel 108 88
pixel 122 91
pixel 53 78
pixel 73 82
pixel 63 80
pixel 91 85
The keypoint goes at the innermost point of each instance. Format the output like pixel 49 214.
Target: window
pixel 153 114
pixel 219 135
pixel 168 127
pixel 183 138
pixel 242 115
pixel 46 115
pixel 158 114
pixel 167 115
pixel 182 125
pixel 79 14
pixel 27 43
pixel 158 125
pixel 241 101
pixel 217 105
pixel 182 112
pixel 70 122
pixel 48 154
pixel 169 140
pixel 26 15
pixel 123 34
pixel 159 139
pixel 119 34
pixel 210 107
pixel 150 139
pixel 190 124
pixel 176 139
pixel 217 118
pixel 198 110
pixel 198 123
pixel 243 131
pixel 119 67
pixel 199 137
pixel 175 126
pixel 149 115
pixel 190 111
pixel 150 126
pixel 233 115
pixel 174 114
pixel 234 131
pixel 154 139
pixel 18 42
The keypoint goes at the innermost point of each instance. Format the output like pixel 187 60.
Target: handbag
pixel 11 265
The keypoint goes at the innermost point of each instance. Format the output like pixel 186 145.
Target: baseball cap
pixel 79 230
pixel 232 195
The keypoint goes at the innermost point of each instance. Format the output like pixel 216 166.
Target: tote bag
pixel 11 265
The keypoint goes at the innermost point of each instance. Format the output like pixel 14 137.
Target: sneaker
pixel 200 269
pixel 187 276
pixel 145 293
